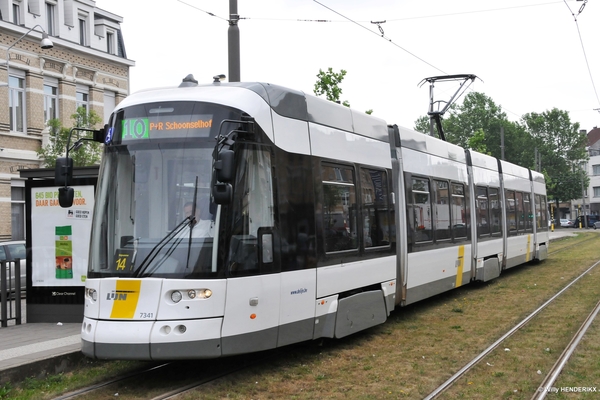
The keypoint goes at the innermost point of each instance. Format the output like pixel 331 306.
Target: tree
pixel 562 148
pixel 328 84
pixel 477 142
pixel 478 123
pixel 87 155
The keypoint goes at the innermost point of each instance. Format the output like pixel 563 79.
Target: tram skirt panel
pixel 359 312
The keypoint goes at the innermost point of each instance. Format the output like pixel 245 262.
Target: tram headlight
pixel 192 294
pixel 92 294
pixel 176 296
pixel 205 293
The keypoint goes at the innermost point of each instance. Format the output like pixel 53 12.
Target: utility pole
pixel 502 142
pixel 233 36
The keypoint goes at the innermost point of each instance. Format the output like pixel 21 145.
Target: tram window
pixel 442 210
pixel 511 213
pixel 459 211
pixel 541 212
pixel 520 211
pixel 420 210
pixel 495 212
pixel 254 207
pixel 339 208
pixel 375 211
pixel 527 213
pixel 483 212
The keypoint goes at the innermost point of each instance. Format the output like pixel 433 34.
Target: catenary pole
pixel 233 36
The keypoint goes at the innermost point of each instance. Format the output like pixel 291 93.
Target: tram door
pixel 253 285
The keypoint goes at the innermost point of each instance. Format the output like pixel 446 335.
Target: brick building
pixel 589 204
pixel 86 66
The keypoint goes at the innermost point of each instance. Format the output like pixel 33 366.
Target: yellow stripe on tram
pixel 461 264
pixel 528 247
pixel 126 299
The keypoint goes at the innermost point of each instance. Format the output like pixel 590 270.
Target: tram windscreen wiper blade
pixel 159 246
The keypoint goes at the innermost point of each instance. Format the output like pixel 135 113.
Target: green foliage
pixel 477 123
pixel 477 142
pixel 422 124
pixel 88 154
pixel 328 84
pixel 562 150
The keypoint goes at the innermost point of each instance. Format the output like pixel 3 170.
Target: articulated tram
pixel 240 217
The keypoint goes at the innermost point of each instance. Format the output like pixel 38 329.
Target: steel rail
pixel 494 345
pixel 553 374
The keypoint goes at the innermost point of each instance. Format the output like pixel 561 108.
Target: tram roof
pixel 301 106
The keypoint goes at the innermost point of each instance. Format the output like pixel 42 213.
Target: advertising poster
pixel 60 237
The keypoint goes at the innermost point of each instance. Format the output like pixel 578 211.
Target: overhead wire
pixel 582 45
pixel 204 11
pixel 380 34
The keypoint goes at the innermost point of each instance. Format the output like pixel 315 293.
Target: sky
pixel 529 55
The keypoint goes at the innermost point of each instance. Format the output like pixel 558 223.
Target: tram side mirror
pixel 222 193
pixel 63 171
pixel 65 196
pixel 224 166
pixel 100 134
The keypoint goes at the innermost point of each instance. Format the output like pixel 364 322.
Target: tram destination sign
pixel 167 126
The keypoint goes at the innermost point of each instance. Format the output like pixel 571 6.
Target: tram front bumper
pixel 151 340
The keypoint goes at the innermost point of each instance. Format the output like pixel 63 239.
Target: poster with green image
pixel 64 252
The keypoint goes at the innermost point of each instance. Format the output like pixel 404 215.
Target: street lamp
pixel 46 43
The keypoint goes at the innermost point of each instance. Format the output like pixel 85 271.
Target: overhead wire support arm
pixel 435 117
pixel 378 23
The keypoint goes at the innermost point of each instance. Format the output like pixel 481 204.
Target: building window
pixel 17 212
pixel 83 30
pixel 596 169
pixel 17 103
pixel 596 191
pixel 82 98
pixel 51 18
pixel 50 102
pixel 110 43
pixel 16 8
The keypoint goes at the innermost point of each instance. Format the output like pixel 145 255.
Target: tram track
pixel 550 379
pixel 169 379
pixel 553 374
pixel 571 245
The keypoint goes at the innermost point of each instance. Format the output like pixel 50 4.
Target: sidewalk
pixel 38 349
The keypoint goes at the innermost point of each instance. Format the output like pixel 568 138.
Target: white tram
pixel 309 220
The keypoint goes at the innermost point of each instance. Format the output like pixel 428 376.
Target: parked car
pixel 591 220
pixel 10 251
pixel 596 224
pixel 566 223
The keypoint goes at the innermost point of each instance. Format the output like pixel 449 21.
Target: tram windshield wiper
pixel 187 221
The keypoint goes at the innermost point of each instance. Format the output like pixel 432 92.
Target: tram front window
pixel 153 214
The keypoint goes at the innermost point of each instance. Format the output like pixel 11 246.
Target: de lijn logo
pixel 299 291
pixel 118 295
